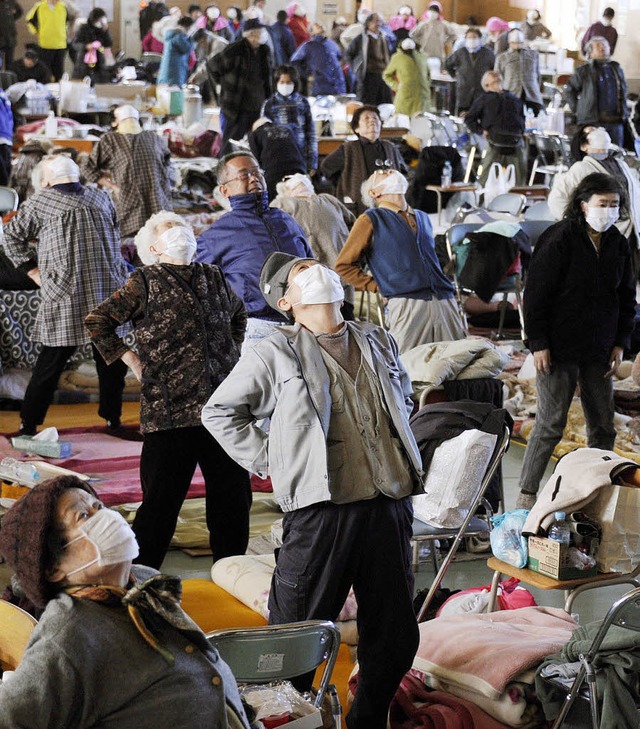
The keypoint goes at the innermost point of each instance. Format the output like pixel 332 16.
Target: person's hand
pixel 132 360
pixel 542 361
pixel 615 359
pixel 34 275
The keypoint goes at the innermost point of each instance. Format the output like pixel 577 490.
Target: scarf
pixel 158 595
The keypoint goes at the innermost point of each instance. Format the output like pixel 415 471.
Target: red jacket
pixel 300 29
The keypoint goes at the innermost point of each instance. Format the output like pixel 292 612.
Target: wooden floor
pixel 71 416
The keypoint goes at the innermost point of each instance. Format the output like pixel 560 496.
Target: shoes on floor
pixel 526 500
pixel 123 432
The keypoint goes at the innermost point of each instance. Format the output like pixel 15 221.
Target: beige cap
pixel 126 112
pixel 61 169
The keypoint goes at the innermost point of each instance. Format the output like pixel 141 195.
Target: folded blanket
pixel 248 578
pixel 485 652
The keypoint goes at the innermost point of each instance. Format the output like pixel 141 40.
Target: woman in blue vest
pixel 396 244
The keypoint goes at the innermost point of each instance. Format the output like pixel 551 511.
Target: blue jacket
pixel 402 263
pixel 174 66
pixel 6 117
pixel 284 44
pixel 240 241
pixel 321 57
pixel 294 112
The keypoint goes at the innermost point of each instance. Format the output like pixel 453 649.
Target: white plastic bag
pixel 507 542
pixel 499 181
pixel 74 95
pixel 456 470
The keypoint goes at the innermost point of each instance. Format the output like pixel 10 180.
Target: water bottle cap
pixel 560 515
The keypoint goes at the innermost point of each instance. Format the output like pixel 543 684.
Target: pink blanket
pixel 113 463
pixel 484 652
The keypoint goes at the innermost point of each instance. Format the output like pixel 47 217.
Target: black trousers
pixel 5 164
pixel 44 380
pixel 374 90
pixel 167 464
pixel 236 128
pixel 54 58
pixel 7 57
pixel 326 549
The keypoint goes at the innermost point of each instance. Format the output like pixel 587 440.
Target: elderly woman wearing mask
pixel 591 148
pixel 189 328
pixel 579 308
pixel 324 219
pixel 396 244
pixel 113 648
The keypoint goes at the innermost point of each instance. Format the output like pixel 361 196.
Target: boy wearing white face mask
pixel 579 307
pixel 288 108
pixel 343 462
pixel 189 328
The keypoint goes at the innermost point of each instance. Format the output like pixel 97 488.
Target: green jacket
pixel 408 75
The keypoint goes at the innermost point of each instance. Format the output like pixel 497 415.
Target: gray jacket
pixel 581 92
pixel 468 70
pixel 521 72
pixel 284 378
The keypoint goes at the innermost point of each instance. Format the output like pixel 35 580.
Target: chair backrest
pixel 8 78
pixel 8 200
pixel 278 652
pixel 538 211
pixel 549 148
pixel 148 57
pixel 509 202
pixel 16 626
pixel 624 613
pixel 457 233
pixel 535 228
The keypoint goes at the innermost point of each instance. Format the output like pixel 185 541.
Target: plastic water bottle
pixel 559 531
pixel 21 471
pixel 51 126
pixel 447 174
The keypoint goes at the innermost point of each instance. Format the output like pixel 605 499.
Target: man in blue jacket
pixel 240 241
pixel 320 58
pixel 284 43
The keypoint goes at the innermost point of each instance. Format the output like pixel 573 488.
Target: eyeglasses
pixel 384 165
pixel 254 172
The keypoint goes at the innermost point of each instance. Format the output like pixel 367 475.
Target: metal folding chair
pixel 8 200
pixel 472 525
pixel 550 158
pixel 509 202
pixel 538 211
pixel 624 614
pixel 279 652
pixel 535 228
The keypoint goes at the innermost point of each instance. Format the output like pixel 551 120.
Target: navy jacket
pixel 577 303
pixel 240 241
pixel 284 43
pixel 6 117
pixel 321 57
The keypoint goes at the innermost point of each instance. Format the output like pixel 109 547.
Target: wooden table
pixel 454 187
pixel 326 145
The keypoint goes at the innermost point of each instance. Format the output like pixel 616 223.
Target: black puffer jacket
pixel 577 303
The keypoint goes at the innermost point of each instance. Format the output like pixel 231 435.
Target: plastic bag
pixel 507 542
pixel 499 180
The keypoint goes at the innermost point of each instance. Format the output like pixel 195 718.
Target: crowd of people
pixel 247 348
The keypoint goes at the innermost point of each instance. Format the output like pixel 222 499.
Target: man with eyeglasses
pixel 241 240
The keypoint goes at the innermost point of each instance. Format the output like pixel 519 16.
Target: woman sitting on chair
pixel 113 647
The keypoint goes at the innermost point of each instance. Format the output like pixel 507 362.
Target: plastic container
pixel 192 111
pixel 51 126
pixel 19 470
pixel 560 531
pixel 447 175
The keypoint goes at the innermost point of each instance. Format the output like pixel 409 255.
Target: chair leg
pixel 493 593
pixel 533 171
pixel 570 698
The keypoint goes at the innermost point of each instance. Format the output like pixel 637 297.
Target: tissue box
pixel 48 449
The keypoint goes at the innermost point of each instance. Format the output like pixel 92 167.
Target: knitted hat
pixel 252 24
pixel 25 534
pixel 126 112
pixel 274 277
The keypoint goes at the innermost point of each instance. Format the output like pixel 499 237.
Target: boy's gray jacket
pixel 284 378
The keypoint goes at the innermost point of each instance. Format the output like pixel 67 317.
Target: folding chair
pixel 535 228
pixel 472 525
pixel 624 614
pixel 513 284
pixel 509 202
pixel 279 652
pixel 538 211
pixel 8 200
pixel 550 158
pixel 16 626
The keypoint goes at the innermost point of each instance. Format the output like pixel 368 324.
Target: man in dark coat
pixel 10 11
pixel 243 70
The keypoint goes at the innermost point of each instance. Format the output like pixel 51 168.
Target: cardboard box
pixel 549 558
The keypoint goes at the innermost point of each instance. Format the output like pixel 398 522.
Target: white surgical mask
pixel 299 185
pixel 286 89
pixel 390 183
pixel 112 537
pixel 319 285
pixel 213 13
pixel 433 15
pixel 599 139
pixel 472 44
pixel 180 243
pixel 532 17
pixel 599 155
pixel 602 219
